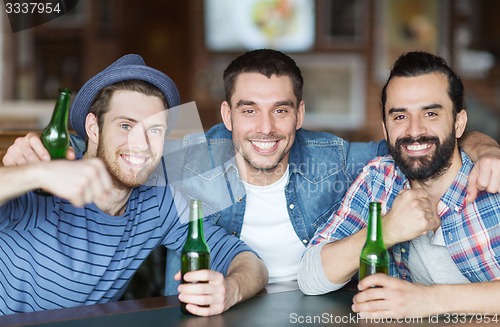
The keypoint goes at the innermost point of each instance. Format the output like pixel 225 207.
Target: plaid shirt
pixel 471 231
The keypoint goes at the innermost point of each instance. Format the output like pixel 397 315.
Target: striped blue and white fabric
pixel 54 255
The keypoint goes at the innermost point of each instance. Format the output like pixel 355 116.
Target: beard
pixel 270 167
pixel 262 163
pixel 424 168
pixel 123 180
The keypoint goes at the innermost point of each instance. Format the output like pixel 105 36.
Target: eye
pixel 431 114
pixel 125 126
pixel 249 111
pixel 155 130
pixel 399 117
pixel 281 111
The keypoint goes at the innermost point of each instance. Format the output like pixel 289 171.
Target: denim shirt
pixel 322 166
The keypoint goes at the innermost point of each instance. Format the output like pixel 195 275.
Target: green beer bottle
pixel 195 254
pixel 55 137
pixel 374 257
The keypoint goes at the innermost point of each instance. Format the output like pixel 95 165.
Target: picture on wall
pixel 408 25
pixel 286 25
pixel 334 90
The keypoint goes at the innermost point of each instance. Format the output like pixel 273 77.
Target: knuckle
pixel 492 189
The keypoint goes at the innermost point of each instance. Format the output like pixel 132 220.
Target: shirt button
pixel 292 206
pixel 304 241
pixel 403 250
pixel 450 236
pixel 239 199
pixel 234 233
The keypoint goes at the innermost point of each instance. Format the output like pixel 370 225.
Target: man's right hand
pixel 412 214
pixel 29 149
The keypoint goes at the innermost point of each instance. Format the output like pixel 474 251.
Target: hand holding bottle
pixel 30 149
pixel 195 254
pixel 53 142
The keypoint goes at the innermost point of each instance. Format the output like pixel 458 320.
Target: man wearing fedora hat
pixel 111 208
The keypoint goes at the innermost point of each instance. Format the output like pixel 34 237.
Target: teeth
pixel 135 160
pixel 418 147
pixel 264 145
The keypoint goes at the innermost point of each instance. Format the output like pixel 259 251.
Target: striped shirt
pixel 471 230
pixel 54 255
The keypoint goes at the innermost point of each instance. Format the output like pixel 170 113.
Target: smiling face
pixel 263 116
pixel 130 141
pixel 419 125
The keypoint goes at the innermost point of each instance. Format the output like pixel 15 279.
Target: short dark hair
pixel 266 62
pixel 418 63
pixel 100 104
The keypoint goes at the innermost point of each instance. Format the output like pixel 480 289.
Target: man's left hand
pixel 485 176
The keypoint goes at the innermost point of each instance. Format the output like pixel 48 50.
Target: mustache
pixel 421 139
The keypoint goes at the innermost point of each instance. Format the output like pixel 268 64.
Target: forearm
pixel 476 144
pixel 311 276
pixel 340 259
pixel 467 298
pixel 246 276
pixel 16 181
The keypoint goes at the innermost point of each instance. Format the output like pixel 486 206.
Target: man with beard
pixel 110 209
pixel 268 180
pixel 261 176
pixel 443 248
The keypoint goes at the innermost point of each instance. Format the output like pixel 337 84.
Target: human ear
pixel 92 128
pixel 225 111
pixel 460 123
pixel 301 114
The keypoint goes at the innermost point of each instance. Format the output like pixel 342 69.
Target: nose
pixel 138 139
pixel 416 127
pixel 266 124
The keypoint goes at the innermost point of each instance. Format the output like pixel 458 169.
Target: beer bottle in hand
pixel 55 136
pixel 374 257
pixel 195 254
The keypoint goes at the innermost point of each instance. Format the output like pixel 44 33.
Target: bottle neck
pixel 195 228
pixel 374 232
pixel 61 110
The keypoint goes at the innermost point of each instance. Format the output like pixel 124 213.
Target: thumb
pixel 472 185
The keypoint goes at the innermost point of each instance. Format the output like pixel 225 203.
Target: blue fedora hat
pixel 128 67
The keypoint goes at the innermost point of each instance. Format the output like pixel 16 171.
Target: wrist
pixel 389 239
pixel 35 175
pixel 435 301
pixel 233 294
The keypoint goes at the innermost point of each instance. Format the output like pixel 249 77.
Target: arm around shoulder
pixel 477 145
pixel 485 152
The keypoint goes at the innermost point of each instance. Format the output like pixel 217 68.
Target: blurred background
pixel 344 48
